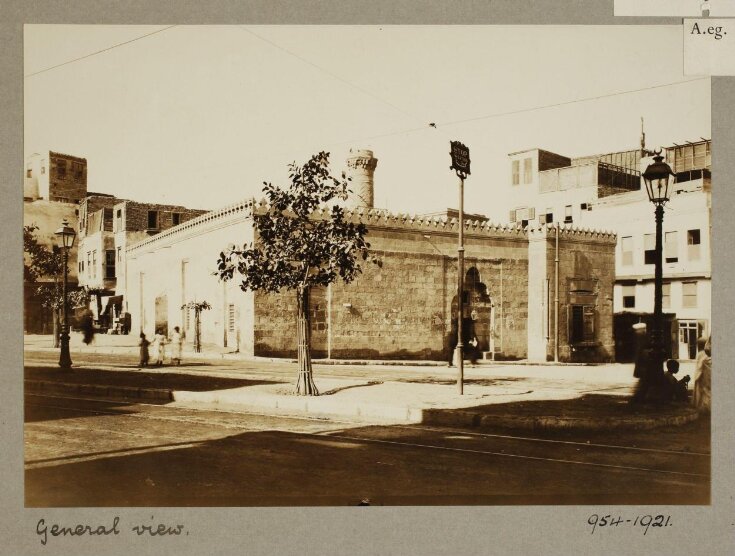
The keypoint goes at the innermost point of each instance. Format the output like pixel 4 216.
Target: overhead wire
pixel 99 51
pixel 435 126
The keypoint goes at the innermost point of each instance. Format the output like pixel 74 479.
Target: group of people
pixel 158 348
pixel 654 385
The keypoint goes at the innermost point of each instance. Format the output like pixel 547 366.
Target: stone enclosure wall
pixel 404 308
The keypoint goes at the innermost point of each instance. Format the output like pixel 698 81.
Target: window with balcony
pixel 693 241
pixel 689 295
pixel 626 248
pixel 628 297
pixel 671 247
pixel 649 249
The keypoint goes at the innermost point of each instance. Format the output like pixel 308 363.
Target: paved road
pixel 107 453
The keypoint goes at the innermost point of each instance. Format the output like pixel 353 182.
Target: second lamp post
pixel 659 178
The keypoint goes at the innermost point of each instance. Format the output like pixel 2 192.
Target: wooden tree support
pixel 305 384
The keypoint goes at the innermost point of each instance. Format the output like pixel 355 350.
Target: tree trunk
pixel 57 328
pixel 197 332
pixel 305 384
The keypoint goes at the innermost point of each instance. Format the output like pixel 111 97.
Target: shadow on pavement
pixel 141 379
pixel 37 412
pixel 278 468
pixel 596 406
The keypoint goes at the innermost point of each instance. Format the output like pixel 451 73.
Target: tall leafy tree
pixel 41 263
pixel 304 240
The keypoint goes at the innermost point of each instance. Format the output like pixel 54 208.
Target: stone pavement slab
pixel 492 397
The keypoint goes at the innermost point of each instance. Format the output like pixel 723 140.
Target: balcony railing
pixel 593 173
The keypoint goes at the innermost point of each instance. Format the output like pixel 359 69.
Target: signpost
pixel 461 165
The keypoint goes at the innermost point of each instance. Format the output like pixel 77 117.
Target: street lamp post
pixel 658 178
pixel 461 165
pixel 66 236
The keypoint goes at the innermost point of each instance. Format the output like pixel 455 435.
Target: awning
pixel 113 300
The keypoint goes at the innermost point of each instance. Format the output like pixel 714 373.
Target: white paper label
pixel 709 46
pixel 675 8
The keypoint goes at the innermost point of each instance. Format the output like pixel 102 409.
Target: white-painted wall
pixel 180 264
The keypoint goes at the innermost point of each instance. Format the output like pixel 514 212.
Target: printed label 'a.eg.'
pixel 709 46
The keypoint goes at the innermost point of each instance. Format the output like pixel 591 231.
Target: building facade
pixel 55 177
pixel 404 308
pixel 606 192
pixel 107 225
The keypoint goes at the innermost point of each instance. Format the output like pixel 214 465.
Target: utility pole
pixel 461 164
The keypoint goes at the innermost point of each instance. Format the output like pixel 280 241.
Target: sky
pixel 200 116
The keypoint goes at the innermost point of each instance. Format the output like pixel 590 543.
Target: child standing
pixel 144 343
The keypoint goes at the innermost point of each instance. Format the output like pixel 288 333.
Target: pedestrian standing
pixel 702 397
pixel 452 343
pixel 176 342
pixel 159 345
pixel 144 343
pixel 87 326
pixel 641 370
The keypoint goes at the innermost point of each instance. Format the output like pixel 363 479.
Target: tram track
pixel 688 466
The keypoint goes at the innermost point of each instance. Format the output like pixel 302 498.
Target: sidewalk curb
pixel 550 422
pixel 300 406
pixel 234 356
pixel 129 392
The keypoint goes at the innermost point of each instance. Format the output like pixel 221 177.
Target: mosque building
pixel 536 292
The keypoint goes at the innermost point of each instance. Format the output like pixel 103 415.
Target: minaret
pixel 361 164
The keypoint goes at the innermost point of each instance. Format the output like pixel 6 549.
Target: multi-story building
pixel 55 177
pixel 605 192
pixel 107 225
pixel 53 184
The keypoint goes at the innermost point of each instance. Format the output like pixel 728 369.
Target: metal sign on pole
pixel 461 165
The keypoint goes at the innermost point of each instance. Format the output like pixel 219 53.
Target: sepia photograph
pixel 334 266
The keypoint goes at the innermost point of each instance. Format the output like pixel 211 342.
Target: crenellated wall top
pixel 568 231
pixel 240 209
pixel 381 218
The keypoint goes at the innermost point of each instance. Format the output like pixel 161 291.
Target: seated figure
pixel 677 390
